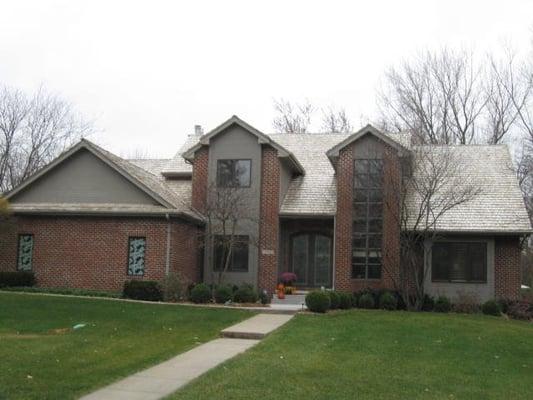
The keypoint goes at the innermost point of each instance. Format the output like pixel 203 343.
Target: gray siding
pixel 237 143
pixel 284 181
pixel 82 178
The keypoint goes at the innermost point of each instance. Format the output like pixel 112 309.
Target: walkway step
pixel 167 377
pixel 297 299
pixel 256 327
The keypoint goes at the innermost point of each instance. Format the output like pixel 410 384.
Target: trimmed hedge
pixel 201 293
pixel 334 299
pixel 143 290
pixel 345 300
pixel 318 301
pixel 491 307
pixel 387 301
pixel 366 301
pixel 223 294
pixel 17 278
pixel 443 305
pixel 245 294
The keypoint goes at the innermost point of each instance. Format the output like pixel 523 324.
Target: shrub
pixel 366 301
pixel 172 287
pixel 17 278
pixel 520 310
pixel 264 297
pixel 428 303
pixel 466 302
pixel 504 304
pixel 318 301
pixel 345 300
pixel 442 304
pixel 491 307
pixel 334 299
pixel 245 294
pixel 355 299
pixel 223 293
pixel 387 301
pixel 143 290
pixel 200 294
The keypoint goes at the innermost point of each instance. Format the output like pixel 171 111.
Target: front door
pixel 311 255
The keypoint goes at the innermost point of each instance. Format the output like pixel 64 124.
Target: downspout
pixel 167 261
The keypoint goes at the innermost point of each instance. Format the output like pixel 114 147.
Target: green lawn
pixel 380 355
pixel 41 357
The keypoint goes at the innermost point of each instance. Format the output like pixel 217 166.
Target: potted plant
pixel 280 291
pixel 288 279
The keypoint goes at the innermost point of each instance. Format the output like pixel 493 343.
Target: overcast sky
pixel 147 72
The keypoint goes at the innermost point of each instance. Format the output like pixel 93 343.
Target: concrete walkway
pixel 163 379
pixel 256 327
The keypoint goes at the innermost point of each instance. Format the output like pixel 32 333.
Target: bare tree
pixel 335 121
pixel 420 193
pixel 449 97
pixel 438 97
pixel 33 130
pixel 227 210
pixel 292 118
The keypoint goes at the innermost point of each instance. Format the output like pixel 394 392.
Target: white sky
pixel 148 71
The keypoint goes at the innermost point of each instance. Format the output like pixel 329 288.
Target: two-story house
pixel 316 204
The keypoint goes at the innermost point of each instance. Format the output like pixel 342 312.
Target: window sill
pixel 463 282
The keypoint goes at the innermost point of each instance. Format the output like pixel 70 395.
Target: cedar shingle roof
pixel 499 206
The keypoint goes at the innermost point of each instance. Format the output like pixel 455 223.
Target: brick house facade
pixel 308 207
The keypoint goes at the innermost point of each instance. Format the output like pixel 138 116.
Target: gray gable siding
pixel 82 178
pixel 237 143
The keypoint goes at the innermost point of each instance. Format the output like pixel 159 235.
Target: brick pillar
pixel 507 267
pixel 343 222
pixel 269 220
pixel 390 272
pixel 199 178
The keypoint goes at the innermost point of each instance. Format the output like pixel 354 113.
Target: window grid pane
pixel 367 219
pixel 459 262
pixel 136 255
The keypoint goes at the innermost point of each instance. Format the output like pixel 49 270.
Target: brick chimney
pixel 198 131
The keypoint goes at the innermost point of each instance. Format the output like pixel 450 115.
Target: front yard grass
pixel 42 357
pixel 380 355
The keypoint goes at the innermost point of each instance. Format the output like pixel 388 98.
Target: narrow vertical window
pixel 136 255
pixel 367 225
pixel 25 252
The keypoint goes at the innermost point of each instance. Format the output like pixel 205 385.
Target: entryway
pixel 310 259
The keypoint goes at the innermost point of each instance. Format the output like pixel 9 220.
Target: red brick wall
pixel 343 223
pixel 507 273
pixel 199 178
pixel 269 219
pixel 92 252
pixel 343 226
